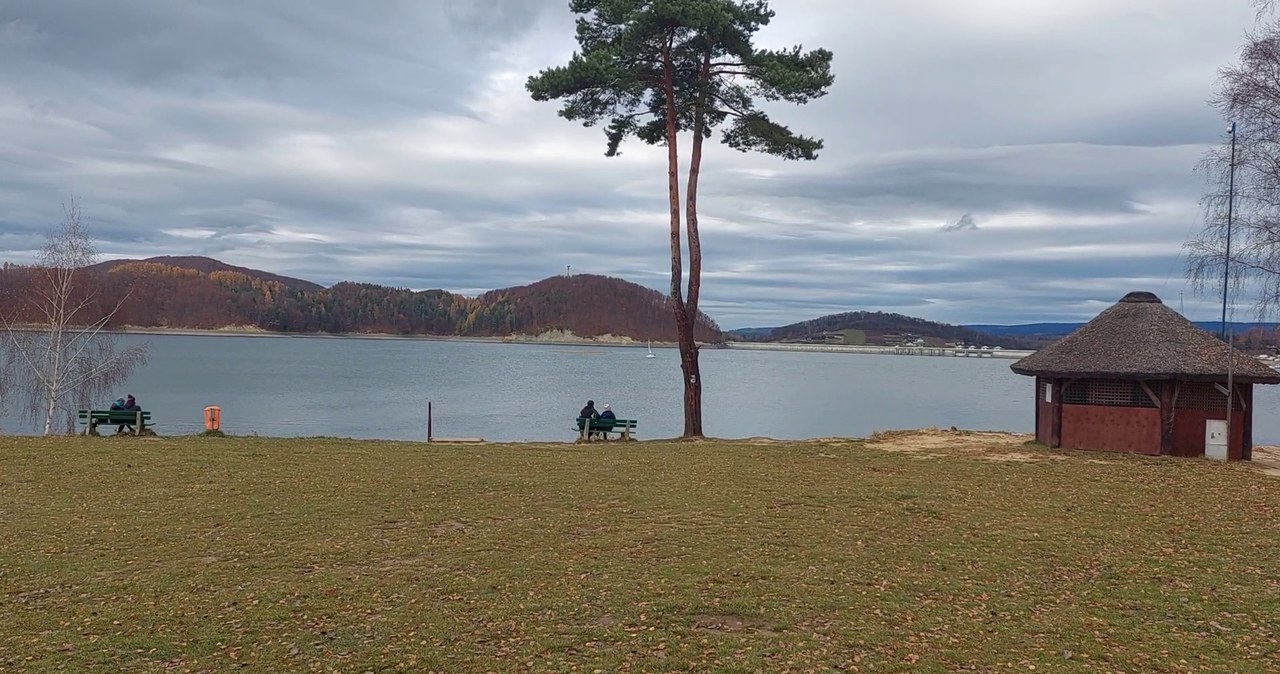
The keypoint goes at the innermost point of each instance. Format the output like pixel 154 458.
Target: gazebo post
pixel 1246 436
pixel 1039 394
pixel 1166 417
pixel 1055 425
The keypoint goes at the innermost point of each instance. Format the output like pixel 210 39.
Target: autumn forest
pixel 202 293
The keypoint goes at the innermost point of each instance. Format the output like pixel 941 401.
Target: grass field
pixel 239 554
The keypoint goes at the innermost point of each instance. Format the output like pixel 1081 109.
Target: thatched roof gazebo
pixel 1141 378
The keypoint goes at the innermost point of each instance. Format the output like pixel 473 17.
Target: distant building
pixel 1141 378
pixel 902 339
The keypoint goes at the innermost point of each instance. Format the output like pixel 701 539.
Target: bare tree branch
pixel 1248 95
pixel 1265 7
pixel 68 359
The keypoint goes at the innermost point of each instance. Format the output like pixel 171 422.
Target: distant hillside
pixel 875 327
pixel 1028 330
pixel 749 334
pixel 209 265
pixel 587 305
pixel 1064 329
pixel 183 296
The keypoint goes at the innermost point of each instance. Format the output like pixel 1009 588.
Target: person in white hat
pixel 606 421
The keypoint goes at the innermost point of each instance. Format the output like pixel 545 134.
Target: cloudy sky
pixel 986 160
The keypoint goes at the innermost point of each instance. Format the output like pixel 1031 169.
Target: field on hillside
pixel 938 552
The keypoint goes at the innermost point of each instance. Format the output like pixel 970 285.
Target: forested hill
pixel 209 265
pixel 166 293
pixel 875 327
pixel 1064 329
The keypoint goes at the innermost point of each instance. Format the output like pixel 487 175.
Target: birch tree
pixel 656 69
pixel 60 354
pixel 1242 198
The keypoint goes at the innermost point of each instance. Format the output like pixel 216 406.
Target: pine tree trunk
pixel 692 377
pixel 684 326
pixel 687 323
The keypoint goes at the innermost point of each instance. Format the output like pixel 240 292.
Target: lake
pixel 379 388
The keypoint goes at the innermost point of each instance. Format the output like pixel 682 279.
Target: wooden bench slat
pixel 623 427
pixel 94 418
pixel 100 415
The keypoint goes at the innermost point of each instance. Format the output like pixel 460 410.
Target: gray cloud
pixel 966 223
pixel 332 142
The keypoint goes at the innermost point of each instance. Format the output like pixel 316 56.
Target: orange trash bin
pixel 212 418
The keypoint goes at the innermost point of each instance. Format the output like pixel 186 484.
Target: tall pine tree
pixel 656 69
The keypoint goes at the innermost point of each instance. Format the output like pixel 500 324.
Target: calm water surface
pixel 371 388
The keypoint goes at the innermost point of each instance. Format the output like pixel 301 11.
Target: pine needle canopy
pixel 626 48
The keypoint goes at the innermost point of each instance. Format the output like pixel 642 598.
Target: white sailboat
pixel 650 354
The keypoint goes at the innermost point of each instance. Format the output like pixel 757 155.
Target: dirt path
pixel 998 446
pixel 1267 460
pixel 935 444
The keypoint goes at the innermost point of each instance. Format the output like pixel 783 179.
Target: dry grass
pixel 214 554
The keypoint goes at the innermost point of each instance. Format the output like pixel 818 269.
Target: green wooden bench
pixel 139 419
pixel 625 428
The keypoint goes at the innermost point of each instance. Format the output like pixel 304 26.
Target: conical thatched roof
pixel 1140 338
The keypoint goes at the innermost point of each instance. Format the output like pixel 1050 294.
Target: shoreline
pixel 268 334
pixel 552 339
pixel 935 352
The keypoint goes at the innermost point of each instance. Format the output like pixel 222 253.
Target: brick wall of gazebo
pixel 1153 417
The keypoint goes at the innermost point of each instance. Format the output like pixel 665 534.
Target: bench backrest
pixel 113 415
pixel 629 423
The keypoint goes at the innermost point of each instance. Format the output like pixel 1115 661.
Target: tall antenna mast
pixel 1226 285
pixel 1231 200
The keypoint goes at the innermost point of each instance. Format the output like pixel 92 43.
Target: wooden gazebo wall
pixel 1155 417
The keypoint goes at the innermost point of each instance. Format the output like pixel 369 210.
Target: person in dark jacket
pixel 118 406
pixel 587 415
pixel 128 405
pixel 605 422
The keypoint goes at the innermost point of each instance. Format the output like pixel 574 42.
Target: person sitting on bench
pixel 605 423
pixel 128 405
pixel 587 415
pixel 118 406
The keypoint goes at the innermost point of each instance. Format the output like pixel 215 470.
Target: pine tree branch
pixel 730 108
